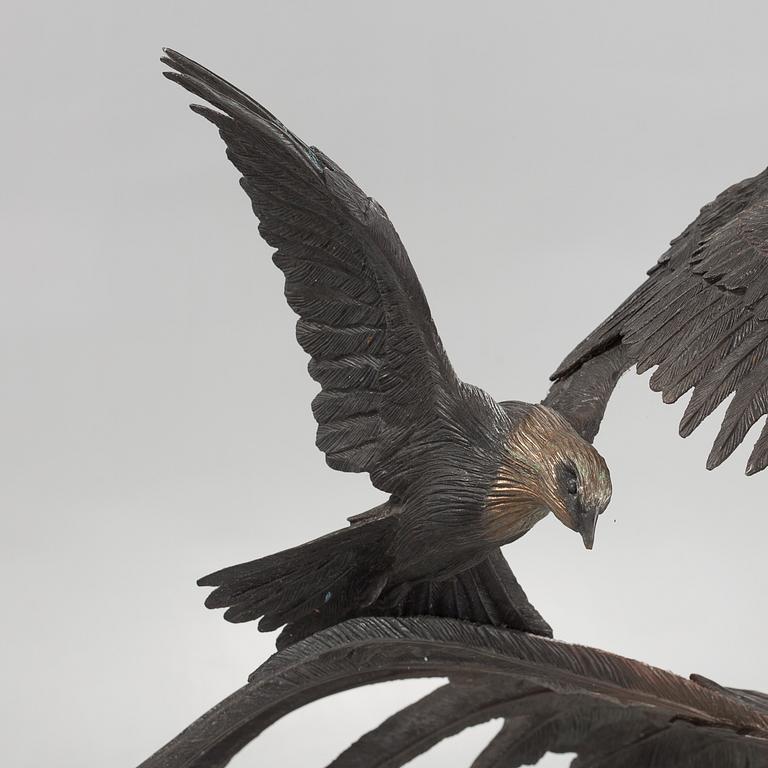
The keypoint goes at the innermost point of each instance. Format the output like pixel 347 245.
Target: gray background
pixel 535 157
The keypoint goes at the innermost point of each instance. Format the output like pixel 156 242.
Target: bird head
pixel 564 472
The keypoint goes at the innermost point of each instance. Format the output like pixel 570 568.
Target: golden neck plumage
pixel 527 482
pixel 519 496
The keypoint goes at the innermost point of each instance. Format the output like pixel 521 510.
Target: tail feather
pixel 486 593
pixel 348 573
pixel 295 610
pixel 317 583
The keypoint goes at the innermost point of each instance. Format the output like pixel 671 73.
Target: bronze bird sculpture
pixel 464 473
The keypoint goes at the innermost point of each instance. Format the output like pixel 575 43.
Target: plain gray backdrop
pixel 535 158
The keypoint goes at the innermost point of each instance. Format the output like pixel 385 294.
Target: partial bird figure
pixel 701 319
pixel 464 473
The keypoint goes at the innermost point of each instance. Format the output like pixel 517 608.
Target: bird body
pixel 463 474
pixel 478 496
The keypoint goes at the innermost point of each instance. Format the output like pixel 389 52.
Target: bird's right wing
pixel 389 394
pixel 583 396
pixel 701 317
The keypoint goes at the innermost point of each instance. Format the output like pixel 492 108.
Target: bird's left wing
pixel 389 393
pixel 701 317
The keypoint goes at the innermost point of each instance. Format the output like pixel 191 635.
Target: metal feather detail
pixel 702 318
pixel 551 696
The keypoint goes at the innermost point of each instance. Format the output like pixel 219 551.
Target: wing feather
pixel 758 459
pixel 748 405
pixel 723 380
pixel 553 696
pixel 386 382
pixel 668 336
pixel 688 358
pixel 683 341
pixel 701 317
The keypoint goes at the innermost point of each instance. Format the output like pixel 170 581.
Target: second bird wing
pixel 701 317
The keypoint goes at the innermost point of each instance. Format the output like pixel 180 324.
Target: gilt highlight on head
pixel 563 471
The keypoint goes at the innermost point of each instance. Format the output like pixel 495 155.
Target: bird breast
pixel 510 516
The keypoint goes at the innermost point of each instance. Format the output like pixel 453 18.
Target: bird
pixel 464 474
pixel 700 318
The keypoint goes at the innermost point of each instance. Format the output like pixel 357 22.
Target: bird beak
pixel 587 529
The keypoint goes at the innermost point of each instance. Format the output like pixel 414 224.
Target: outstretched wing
pixel 552 696
pixel 386 381
pixel 701 317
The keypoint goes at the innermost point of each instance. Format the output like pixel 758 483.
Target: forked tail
pixel 348 573
pixel 308 587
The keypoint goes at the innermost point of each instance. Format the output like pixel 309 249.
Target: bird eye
pixel 573 486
